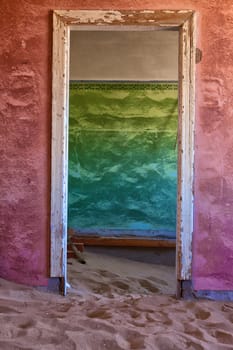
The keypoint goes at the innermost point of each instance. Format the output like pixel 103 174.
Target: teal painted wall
pixel 123 158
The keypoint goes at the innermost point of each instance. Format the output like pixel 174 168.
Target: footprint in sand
pixel 96 325
pixel 223 337
pixel 107 274
pixel 165 343
pixel 64 307
pixel 227 308
pixel 149 318
pixel 165 319
pixel 134 313
pixel 202 314
pixel 148 286
pixel 135 339
pixel 121 285
pixel 231 318
pixel 27 324
pixel 108 344
pixel 8 310
pixel 194 346
pixel 158 280
pixel 101 288
pixel 175 342
pixel 193 331
pixel 99 313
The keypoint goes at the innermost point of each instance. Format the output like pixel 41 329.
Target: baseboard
pixel 126 242
pixel 53 286
pixel 186 291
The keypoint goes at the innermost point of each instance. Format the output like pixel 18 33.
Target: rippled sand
pixel 112 304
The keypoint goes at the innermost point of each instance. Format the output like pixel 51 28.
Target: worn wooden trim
pixel 160 18
pixel 184 20
pixel 60 83
pixel 126 242
pixel 185 197
pixel 120 28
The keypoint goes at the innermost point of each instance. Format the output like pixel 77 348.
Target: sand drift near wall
pixel 110 275
pixel 111 308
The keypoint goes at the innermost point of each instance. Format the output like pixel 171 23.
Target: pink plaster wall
pixel 25 132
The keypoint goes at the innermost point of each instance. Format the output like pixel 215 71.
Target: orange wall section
pixel 25 136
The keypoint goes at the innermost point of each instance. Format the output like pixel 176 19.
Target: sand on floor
pixel 110 275
pixel 112 304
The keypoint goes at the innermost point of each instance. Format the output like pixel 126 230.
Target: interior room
pixel 122 186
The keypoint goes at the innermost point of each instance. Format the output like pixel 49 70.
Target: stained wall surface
pixel 25 136
pixel 124 55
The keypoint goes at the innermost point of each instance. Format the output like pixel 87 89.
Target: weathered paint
pixel 185 132
pixel 146 17
pixel 60 106
pixel 25 132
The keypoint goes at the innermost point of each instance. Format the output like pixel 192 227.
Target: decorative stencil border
pixel 161 86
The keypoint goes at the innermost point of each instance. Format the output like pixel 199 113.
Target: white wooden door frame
pixel 63 21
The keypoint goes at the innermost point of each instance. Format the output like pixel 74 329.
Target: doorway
pixel 184 140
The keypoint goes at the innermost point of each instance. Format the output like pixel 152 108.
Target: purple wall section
pixel 25 133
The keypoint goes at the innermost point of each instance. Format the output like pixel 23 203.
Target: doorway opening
pixel 122 168
pixel 130 139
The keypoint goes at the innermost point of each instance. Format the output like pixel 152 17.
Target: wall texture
pixel 25 132
pixel 123 158
pixel 104 55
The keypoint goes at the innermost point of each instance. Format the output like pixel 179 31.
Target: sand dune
pixel 111 305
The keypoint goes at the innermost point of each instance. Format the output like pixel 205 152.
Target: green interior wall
pixel 123 158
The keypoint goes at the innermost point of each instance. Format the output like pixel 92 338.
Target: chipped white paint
pixel 92 16
pixel 170 25
pixel 185 11
pixel 58 265
pixel 148 11
pixel 63 21
pixel 103 17
pixel 186 149
pixel 168 11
